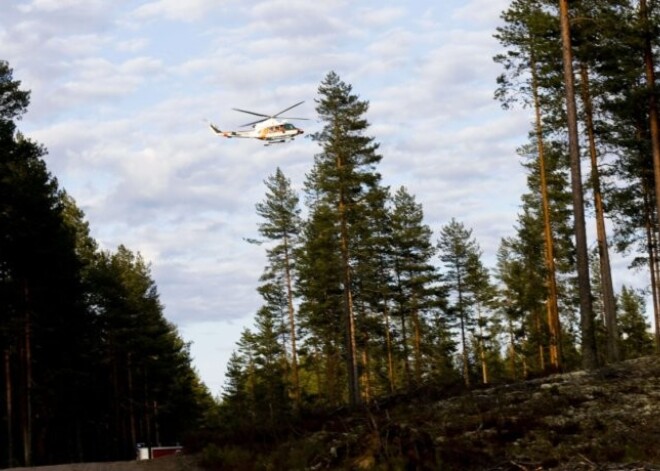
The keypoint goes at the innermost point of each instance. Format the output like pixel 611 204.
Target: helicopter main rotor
pixel 265 117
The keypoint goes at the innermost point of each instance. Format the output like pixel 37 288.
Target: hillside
pixel 607 419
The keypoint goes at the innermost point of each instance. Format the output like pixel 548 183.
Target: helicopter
pixel 268 128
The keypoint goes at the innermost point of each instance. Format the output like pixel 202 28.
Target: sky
pixel 122 92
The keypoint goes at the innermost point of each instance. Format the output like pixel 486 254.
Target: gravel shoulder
pixel 169 463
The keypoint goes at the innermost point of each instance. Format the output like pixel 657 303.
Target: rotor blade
pixel 289 108
pixel 255 122
pixel 301 119
pixel 252 112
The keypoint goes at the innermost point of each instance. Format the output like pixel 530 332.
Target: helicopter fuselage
pixel 268 128
pixel 271 130
pixel 274 130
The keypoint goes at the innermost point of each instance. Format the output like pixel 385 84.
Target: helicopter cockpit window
pixel 288 126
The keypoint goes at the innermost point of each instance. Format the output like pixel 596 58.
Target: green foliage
pixel 282 225
pixel 417 294
pixel 92 365
pixel 341 189
pixel 522 270
pixel 468 284
pixel 233 458
pixel 636 340
pixel 13 100
pixel 353 300
pixel 43 324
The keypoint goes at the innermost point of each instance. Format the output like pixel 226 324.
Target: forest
pixel 90 365
pixel 361 301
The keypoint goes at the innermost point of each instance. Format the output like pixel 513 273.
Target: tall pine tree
pixel 344 174
pixel 282 225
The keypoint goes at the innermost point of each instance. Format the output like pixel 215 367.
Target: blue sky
pixel 122 91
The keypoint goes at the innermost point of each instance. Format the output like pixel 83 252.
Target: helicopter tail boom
pixel 219 132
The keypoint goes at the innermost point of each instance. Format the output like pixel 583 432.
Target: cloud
pixel 71 6
pixel 486 13
pixel 61 16
pixel 97 78
pixel 296 19
pixel 132 45
pixel 381 17
pixel 175 10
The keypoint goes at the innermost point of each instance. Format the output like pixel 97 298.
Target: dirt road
pixel 169 463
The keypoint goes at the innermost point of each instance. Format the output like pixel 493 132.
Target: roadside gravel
pixel 169 463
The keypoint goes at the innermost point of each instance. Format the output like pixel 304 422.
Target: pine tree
pixel 521 297
pixel 627 81
pixel 374 288
pixel 461 254
pixel 596 43
pixel 282 225
pixel 415 278
pixel 140 353
pixel 636 339
pixel 74 323
pixel 604 47
pixel 344 174
pixel 529 77
pixel 236 407
pixel 319 286
pixel 42 309
pixel 478 282
pixel 255 394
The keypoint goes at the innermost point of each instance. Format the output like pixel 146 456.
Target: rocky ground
pixel 608 419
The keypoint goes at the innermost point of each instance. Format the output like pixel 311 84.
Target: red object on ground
pixel 160 451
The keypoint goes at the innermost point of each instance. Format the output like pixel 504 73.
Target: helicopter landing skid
pixel 278 141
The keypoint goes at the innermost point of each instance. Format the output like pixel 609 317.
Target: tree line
pixel 90 367
pixel 361 300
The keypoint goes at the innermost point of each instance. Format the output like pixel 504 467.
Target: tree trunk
pixel 354 397
pixel 539 330
pixel 589 356
pixel 609 303
pixel 649 67
pixel 417 340
pixel 404 337
pixel 331 376
pixel 27 362
pixel 404 344
pixel 131 401
pixel 117 435
pixel 9 410
pixel 147 408
pixel 156 424
pixel 482 352
pixel 656 284
pixel 512 352
pixel 554 326
pixel 651 244
pixel 461 314
pixel 417 345
pixel 388 347
pixel 366 377
pixel 653 108
pixel 292 324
